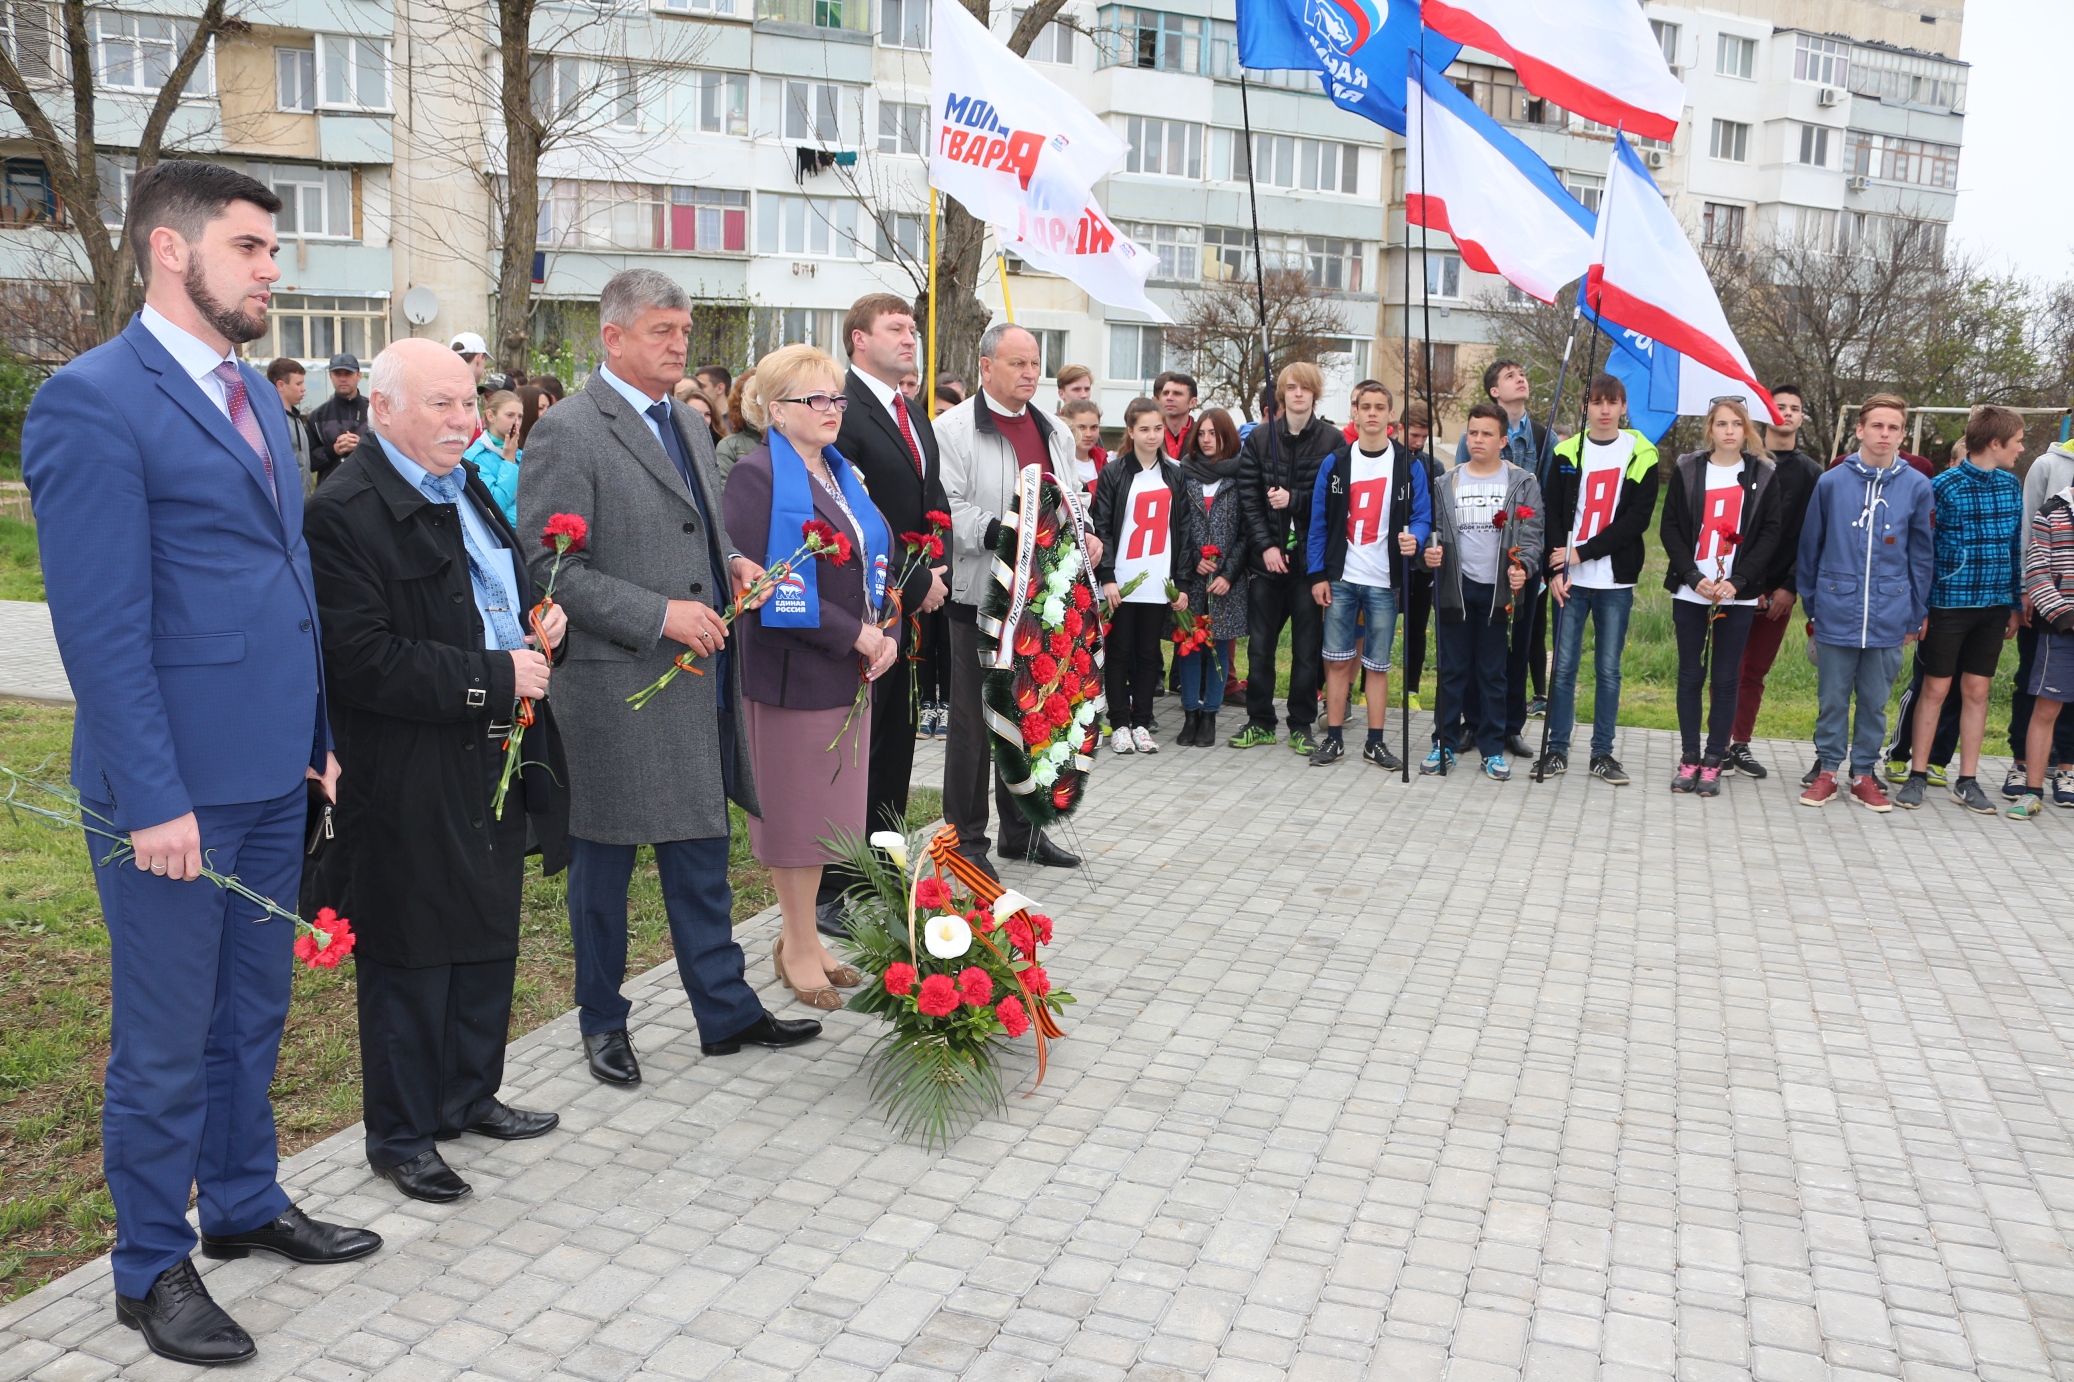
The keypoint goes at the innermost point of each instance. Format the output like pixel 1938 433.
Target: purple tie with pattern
pixel 242 418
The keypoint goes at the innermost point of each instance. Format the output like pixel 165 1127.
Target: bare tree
pixel 1219 331
pixel 50 88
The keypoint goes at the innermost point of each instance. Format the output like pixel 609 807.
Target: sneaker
pixel 1967 793
pixel 1554 763
pixel 1709 784
pixel 1413 702
pixel 1301 743
pixel 1821 791
pixel 1497 769
pixel 925 723
pixel 2028 807
pixel 2062 787
pixel 1379 754
pixel 1252 737
pixel 1910 797
pixel 1606 768
pixel 1935 772
pixel 1328 752
pixel 1120 742
pixel 1688 778
pixel 1866 791
pixel 941 724
pixel 1438 761
pixel 1537 707
pixel 1897 770
pixel 1142 737
pixel 2013 782
pixel 1739 759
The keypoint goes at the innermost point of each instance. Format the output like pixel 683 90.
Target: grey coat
pixel 664 772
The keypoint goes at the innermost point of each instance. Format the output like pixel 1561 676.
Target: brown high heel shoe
pixel 845 976
pixel 824 998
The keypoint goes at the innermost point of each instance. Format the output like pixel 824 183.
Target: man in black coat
pixel 339 424
pixel 893 448
pixel 424 591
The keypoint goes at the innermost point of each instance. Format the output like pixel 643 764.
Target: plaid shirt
pixel 1978 521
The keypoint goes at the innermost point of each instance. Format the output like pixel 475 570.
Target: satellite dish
pixel 420 305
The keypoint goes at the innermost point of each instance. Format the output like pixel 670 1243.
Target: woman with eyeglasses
pixel 804 651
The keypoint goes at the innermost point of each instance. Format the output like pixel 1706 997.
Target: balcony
pixel 836 16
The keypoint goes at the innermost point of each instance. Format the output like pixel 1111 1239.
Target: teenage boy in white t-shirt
pixel 1601 496
pixel 1371 511
pixel 1148 527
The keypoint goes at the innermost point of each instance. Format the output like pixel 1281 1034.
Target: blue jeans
pixel 1202 678
pixel 698 900
pixel 1472 674
pixel 1378 603
pixel 1843 673
pixel 1608 611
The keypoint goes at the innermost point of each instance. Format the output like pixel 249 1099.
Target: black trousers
pixel 892 765
pixel 431 1050
pixel 1526 659
pixel 1271 603
pixel 1945 742
pixel 1131 663
pixel 931 657
pixel 968 758
pixel 1724 673
pixel 1472 674
pixel 1415 618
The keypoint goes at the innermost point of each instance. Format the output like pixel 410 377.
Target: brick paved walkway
pixel 29 665
pixel 1735 1089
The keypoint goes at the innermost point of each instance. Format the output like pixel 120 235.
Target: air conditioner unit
pixel 1656 158
pixel 1829 96
pixel 1857 184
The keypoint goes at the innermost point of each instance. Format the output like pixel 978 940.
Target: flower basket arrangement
pixel 956 979
pixel 1040 638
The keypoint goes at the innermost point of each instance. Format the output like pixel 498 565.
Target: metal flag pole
pixel 1267 361
pixel 1403 676
pixel 1425 351
pixel 929 377
pixel 1001 268
pixel 1555 403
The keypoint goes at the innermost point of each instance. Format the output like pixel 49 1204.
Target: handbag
pixel 318 829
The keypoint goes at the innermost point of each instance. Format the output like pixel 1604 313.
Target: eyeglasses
pixel 821 402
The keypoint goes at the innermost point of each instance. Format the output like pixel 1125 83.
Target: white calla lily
pixel 947 936
pixel 894 843
pixel 1009 903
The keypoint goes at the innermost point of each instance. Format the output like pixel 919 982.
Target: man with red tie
pixel 893 447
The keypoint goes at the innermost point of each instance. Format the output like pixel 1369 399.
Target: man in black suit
pixel 894 449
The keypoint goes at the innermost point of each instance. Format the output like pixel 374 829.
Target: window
pixel 703 218
pixel 1731 141
pixel 316 203
pixel 1588 188
pixel 725 8
pixel 118 176
pixel 623 97
pixel 557 86
pixel 1442 383
pixel 723 102
pixel 26 198
pixel 820 227
pixel 578 214
pixel 820 111
pixel 25 33
pixel 1273 160
pixel 783 326
pixel 316 328
pixel 1224 253
pixel 1150 39
pixel 1325 261
pixel 1280 160
pixel 137 52
pixel 900 128
pixel 1891 159
pixel 1353 350
pixel 1323 166
pixel 904 23
pixel 1907 79
pixel 1051 352
pixel 853 16
pixel 1721 226
pixel 1169 147
pixel 902 234
pixel 1444 275
pixel 1136 352
pixel 1054 43
pixel 1812 226
pixel 1824 61
pixel 1735 57
pixel 353 73
pixel 295 78
pixel 1814 145
pixel 1176 250
pixel 1666 39
pixel 1497 92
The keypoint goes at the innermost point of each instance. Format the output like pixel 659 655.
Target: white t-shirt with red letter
pixel 1604 466
pixel 1147 535
pixel 1721 530
pixel 1368 516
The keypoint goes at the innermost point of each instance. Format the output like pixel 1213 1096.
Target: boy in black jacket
pixel 1593 567
pixel 1147 526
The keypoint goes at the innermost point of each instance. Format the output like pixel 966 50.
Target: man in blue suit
pixel 169 513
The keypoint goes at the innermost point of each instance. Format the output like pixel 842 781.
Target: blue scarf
pixel 796 603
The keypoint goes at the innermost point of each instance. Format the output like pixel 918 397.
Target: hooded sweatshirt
pixel 1867 559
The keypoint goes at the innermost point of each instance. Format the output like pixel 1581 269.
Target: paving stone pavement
pixel 1457 1080
pixel 30 668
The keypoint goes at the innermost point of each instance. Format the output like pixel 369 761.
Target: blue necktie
pixel 490 595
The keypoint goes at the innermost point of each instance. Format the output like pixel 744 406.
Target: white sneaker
pixel 1144 740
pixel 1120 741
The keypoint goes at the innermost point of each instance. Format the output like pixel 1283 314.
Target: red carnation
pixel 825 541
pixel 933 894
pixel 980 920
pixel 1041 924
pixel 1073 623
pixel 1055 706
pixel 935 545
pixel 1523 513
pixel 899 979
pixel 1037 981
pixel 915 541
pixel 1014 1020
pixel 337 933
pixel 1212 551
pixel 1500 518
pixel 1045 668
pixel 937 519
pixel 1081 599
pixel 1082 662
pixel 1036 729
pixel 1061 643
pixel 565 525
pixel 938 996
pixel 975 986
pixel 1021 936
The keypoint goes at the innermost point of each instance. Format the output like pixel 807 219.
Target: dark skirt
pixel 808 791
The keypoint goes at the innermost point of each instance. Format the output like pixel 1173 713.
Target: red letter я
pixel 1601 493
pixel 1724 516
pixel 1023 148
pixel 1149 524
pixel 1365 510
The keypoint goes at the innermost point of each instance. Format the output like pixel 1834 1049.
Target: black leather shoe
pixel 297 1237
pixel 179 1321
pixel 981 862
pixel 1050 855
pixel 612 1057
pixel 828 919
pixel 1518 747
pixel 773 1032
pixel 426 1177
pixel 508 1124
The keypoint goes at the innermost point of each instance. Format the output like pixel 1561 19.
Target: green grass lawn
pixel 54 1209
pixel 21 573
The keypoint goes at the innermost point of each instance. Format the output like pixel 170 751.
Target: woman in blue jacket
pixel 495 453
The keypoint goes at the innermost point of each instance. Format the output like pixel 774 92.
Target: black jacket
pixel 1272 457
pixel 418 864
pixel 1184 519
pixel 1622 539
pixel 1795 480
pixel 1684 496
pixel 331 419
pixel 870 441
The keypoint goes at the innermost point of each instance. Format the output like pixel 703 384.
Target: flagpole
pixel 1555 403
pixel 1425 349
pixel 929 375
pixel 1404 688
pixel 1267 362
pixel 1007 302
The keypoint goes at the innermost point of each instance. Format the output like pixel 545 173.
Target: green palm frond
pixel 934 1088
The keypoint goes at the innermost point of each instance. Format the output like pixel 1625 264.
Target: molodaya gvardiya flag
pixel 1597 58
pixel 1357 48
pixel 1023 156
pixel 1508 212
pixel 1647 276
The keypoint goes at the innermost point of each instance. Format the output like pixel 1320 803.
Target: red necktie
pixel 907 431
pixel 240 408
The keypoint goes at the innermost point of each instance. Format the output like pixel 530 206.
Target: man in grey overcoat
pixel 638 467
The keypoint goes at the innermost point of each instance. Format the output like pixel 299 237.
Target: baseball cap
pixel 344 361
pixel 468 343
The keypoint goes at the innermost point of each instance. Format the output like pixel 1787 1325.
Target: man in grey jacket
pixel 647 585
pixel 981 445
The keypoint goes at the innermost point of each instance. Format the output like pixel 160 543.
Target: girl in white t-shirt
pixel 1147 526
